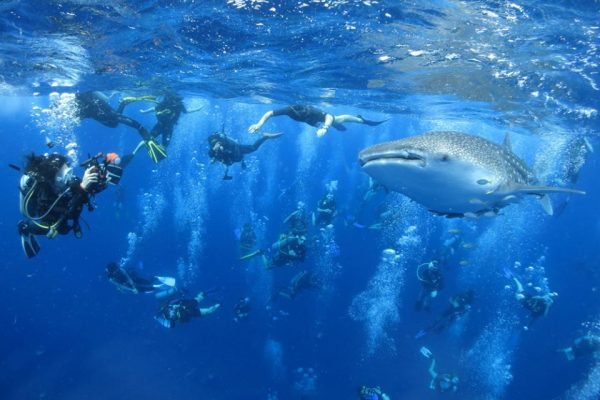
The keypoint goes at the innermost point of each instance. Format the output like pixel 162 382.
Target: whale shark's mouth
pixel 401 156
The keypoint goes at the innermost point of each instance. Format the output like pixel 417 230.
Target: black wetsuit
pixel 168 112
pixel 307 114
pixel 288 249
pixel 432 280
pixel 129 279
pixel 232 151
pixel 461 304
pixel 179 310
pixel 56 212
pixel 95 106
pixel 537 305
pixel 586 345
pixel 325 211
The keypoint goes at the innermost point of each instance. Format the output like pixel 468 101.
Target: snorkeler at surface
pixel 460 305
pixel 128 279
pixel 228 151
pixel 372 393
pixel 314 117
pixel 52 198
pixel 95 105
pixel 432 281
pixel 181 309
pixel 583 346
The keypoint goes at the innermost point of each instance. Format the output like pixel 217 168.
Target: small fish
pixel 454 231
pixel 468 245
pixel 463 263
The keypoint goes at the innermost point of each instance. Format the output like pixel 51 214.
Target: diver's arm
pixel 285 221
pixel 432 369
pixel 261 122
pixel 151 109
pixel 519 286
pixel 326 125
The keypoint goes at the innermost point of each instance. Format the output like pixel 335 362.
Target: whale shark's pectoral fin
pixel 539 190
pixel 546 204
pixel 542 191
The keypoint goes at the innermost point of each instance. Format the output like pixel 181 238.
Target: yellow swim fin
pixel 156 152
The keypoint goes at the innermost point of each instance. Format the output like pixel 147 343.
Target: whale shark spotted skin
pixel 455 174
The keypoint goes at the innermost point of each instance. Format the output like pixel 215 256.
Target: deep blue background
pixel 67 333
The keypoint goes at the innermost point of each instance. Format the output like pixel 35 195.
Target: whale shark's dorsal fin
pixel 507 142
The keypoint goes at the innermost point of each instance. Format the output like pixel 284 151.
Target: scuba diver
pixel 95 105
pixel 440 383
pixel 128 279
pixel 314 117
pixel 181 309
pixel 52 198
pixel 228 151
pixel 432 281
pixel 302 281
pixel 583 346
pixel 374 393
pixel 167 112
pixel 247 239
pixel 297 221
pixel 241 309
pixel 291 246
pixel 460 304
pixel 288 249
pixel 538 305
pixel 326 210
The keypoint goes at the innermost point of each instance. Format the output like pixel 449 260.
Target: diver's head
pixel 111 269
pixel 46 167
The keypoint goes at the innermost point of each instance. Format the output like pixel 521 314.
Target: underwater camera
pixel 109 171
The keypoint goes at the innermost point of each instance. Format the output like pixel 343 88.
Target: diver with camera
pixel 52 198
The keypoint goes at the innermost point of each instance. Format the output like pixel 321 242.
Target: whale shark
pixel 455 174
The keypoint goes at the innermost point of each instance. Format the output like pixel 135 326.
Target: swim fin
pixel 165 280
pixel 371 123
pixel 248 256
pixel 30 245
pixel 156 152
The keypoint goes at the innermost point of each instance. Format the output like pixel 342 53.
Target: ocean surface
pixel 488 68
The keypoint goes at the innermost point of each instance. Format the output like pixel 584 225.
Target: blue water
pixel 483 67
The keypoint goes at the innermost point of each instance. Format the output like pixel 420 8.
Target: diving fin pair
pixel 30 245
pixel 156 152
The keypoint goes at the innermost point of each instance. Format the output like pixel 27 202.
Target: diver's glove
pixel 253 128
pixel 321 132
pixel 156 152
pixel 90 178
